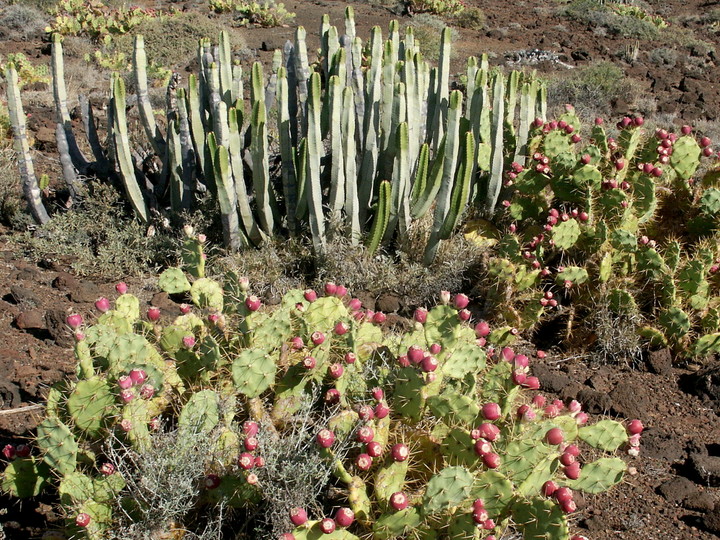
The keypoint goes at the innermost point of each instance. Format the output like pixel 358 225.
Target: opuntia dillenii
pixel 121 287
pixel 482 329
pixel 374 449
pixel 124 382
pixel 491 460
pixel 461 301
pixel 532 383
pixel 572 471
pixel 549 488
pixel 379 317
pixel 491 411
pixel 212 481
pixel 415 354
pixel 479 515
pixel 567 458
pixel 107 468
pixel 341 291
pixel 74 321
pixel 127 396
pixel 251 444
pixel 354 304
pixel 325 438
pixel 365 434
pixel 318 338
pixel 253 303
pixel 464 314
pixel 420 315
pixel 102 304
pixel 298 516
pixel 147 391
pixel 250 428
pixel 400 452
pixel 378 393
pixel 252 479
pixel 310 295
pixel 635 427
pixel 309 362
pixel 9 452
pixel 332 396
pixel 482 447
pixel 350 358
pixel 562 494
pixel 381 410
pixel 366 413
pixel 363 462
pixel 126 425
pixel 336 370
pixel 429 364
pixel 246 461
pixel 188 342
pixel 82 520
pixel 330 288
pixel 344 517
pixel 489 431
pixel 341 328
pixel 327 525
pixel 259 462
pixel 153 313
pixel 554 436
pixel 138 376
pixel 399 501
pixel 568 506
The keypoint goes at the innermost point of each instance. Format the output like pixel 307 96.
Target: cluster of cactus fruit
pixel 369 136
pixel 429 433
pixel 625 220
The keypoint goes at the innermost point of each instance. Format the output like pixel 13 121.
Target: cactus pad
pixel 396 524
pixel 253 372
pixel 173 281
pixel 208 294
pixel 447 489
pixel 199 415
pixel 566 234
pixel 89 405
pixel 25 477
pixel 540 518
pixel 685 157
pixel 599 475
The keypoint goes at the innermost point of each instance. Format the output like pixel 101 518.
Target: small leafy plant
pixel 425 432
pixel 267 14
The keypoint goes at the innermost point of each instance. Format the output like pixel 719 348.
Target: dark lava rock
pixel 629 399
pixel 658 444
pixel 706 382
pixel 9 395
pixel 85 292
pixel 398 323
pixel 24 296
pixel 367 299
pixel 677 489
pixel 65 282
pixel 30 319
pixel 28 273
pixel 388 303
pixel 712 521
pixel 594 402
pixel 660 361
pixel 707 468
pixel 700 501
pixel 550 380
pixel 58 328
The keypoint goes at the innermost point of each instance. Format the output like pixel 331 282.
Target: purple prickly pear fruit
pixel 102 304
pixel 252 479
pixel 355 304
pixel 549 488
pixel 491 460
pixel 657 172
pixel 259 462
pixel 9 452
pixel 246 461
pixel 107 469
pixel 478 503
pixel 212 481
pixel 489 431
pixel 551 411
pixel 567 459
pixel 297 343
pixel 429 364
pixel 82 520
pixel 188 342
pixel 460 301
pixel 400 452
pixel 574 406
pixel 420 315
pixel 415 354
pixel 464 314
pixel 341 291
pixel 635 427
pixel 403 360
pixel 479 515
pixel 576 138
pixel 251 444
pixel 507 354
pixel 435 348
pixel 491 411
pixel 381 410
pixel 344 517
pixel 399 501
pixel 336 370
pixel 581 418
pixel 488 524
pixel 74 321
pixel 705 142
pixel 253 303
pixel 521 361
pixel 350 358
pixel 127 396
pixel 379 317
pixel 378 393
pixel 482 329
pixel 374 449
pixel 686 130
pixel 298 516
pixel 366 413
pixel 309 362
pixel 121 287
pixel 341 328
pixel 554 436
pixel 250 428
pixel 124 382
pixel 533 383
pixel 568 507
pixel 707 151
pixel 327 525
pixel 363 462
pixel 310 295
pixel 573 450
pixel 147 391
pixel 153 314
pixel 138 376
pixel 482 447
pixel 562 494
pixel 332 396
pixel 538 401
pixel 325 438
pixel 330 288
pixel 126 425
pixel 365 434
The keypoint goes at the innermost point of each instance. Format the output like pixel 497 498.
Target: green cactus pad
pixel 390 478
pixel 89 405
pixel 463 359
pixel 675 322
pixel 25 477
pixel 605 268
pixel 575 274
pixel 654 336
pixel 528 464
pixel 442 326
pixel 566 233
pixel 588 175
pixel 556 143
pixel 311 531
pixel 458 448
pixel 707 345
pixel 495 490
pixel 58 444
pixel 343 423
pixel 192 256
pixel 138 413
pixel 321 315
pixel 273 332
pixel 710 202
pixel 173 281
pixel 107 488
pixel 408 399
pixel 540 518
pixel 396 524
pixel 621 301
pixel 599 475
pixel 172 338
pixel 253 372
pixel 200 414
pixel 645 202
pixel 685 158
pixel 454 408
pixel 75 488
pixel 606 435
pixel 462 526
pixel 208 294
pixel 359 500
pixel 128 307
pixel 100 518
pixel 446 490
pixel 623 240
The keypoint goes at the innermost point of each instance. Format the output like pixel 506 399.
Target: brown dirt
pixel 673 491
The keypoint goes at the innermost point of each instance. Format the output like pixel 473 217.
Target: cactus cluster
pixel 370 136
pixel 625 221
pixel 431 432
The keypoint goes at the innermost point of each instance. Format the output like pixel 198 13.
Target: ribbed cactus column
pixel 315 150
pixel 496 142
pixel 337 166
pixel 352 212
pixel 30 187
pixel 441 90
pixel 286 150
pixel 147 117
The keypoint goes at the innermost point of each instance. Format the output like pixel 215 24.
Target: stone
pixel 594 402
pixel 57 327
pixel 659 362
pixel 85 292
pixel 30 319
pixel 388 303
pixel 707 468
pixel 700 501
pixel 629 399
pixel 24 296
pixel 551 380
pixel 677 489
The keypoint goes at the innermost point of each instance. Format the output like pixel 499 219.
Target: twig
pixel 21 409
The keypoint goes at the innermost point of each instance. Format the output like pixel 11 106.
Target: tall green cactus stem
pixel 261 167
pixel 101 162
pixel 400 207
pixel 224 60
pixel 302 74
pixel 337 165
pixel 528 95
pixel 450 159
pixel 147 116
pixel 66 163
pixel 315 148
pixel 196 119
pixel 352 212
pixel 441 90
pixel 387 98
pixel 187 151
pixel 289 178
pixel 226 194
pixel 371 128
pixel 461 187
pixel 121 145
pixel 382 216
pixel 350 23
pixel 496 152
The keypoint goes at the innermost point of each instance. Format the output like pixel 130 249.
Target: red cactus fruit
pixel 310 295
pixel 420 315
pixel 309 362
pixel 489 431
pixel 400 452
pixel 549 488
pixel 330 288
pixel 381 410
pixel 212 481
pixel 251 444
pixel 429 364
pixel 344 517
pixel 332 396
pixel 399 501
pixel 365 434
pixel 374 449
pixel 363 462
pixel 325 438
pixel 350 358
pixel 460 301
pixel 82 520
pixel 102 304
pixel 491 411
pixel 572 471
pixel 246 461
pixel 298 516
pixel 554 436
pixel 336 370
pixel 563 494
pixel 318 338
pixel 491 460
pixel 635 427
pixel 482 447
pixel 341 328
